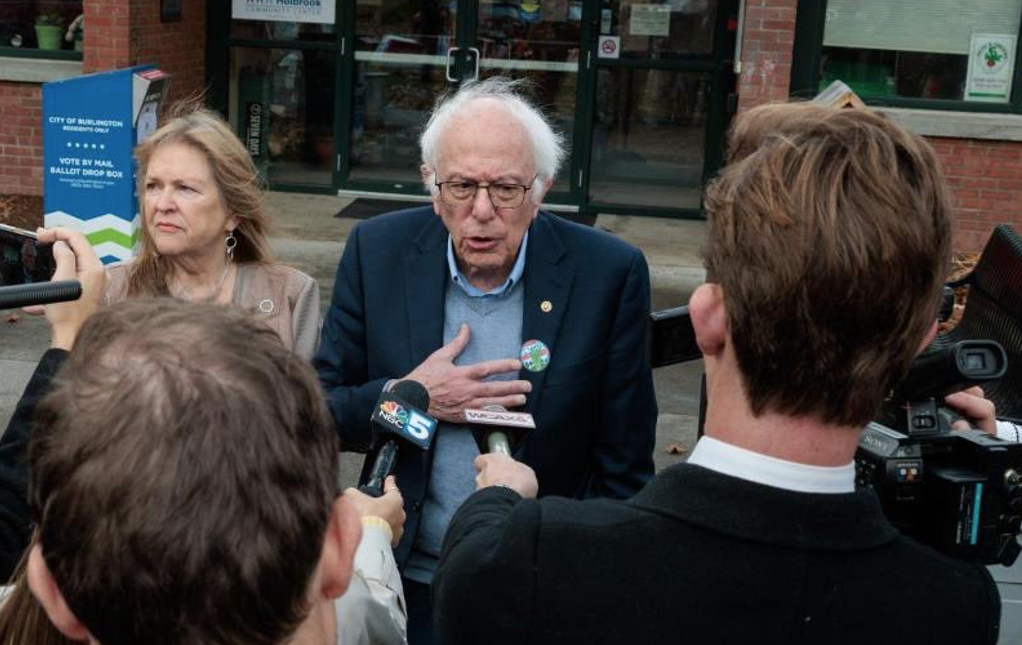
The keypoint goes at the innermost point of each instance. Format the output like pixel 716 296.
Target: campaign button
pixel 535 355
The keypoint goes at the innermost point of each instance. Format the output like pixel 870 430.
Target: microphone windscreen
pixel 413 392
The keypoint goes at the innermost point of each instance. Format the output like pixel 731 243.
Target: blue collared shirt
pixel 516 272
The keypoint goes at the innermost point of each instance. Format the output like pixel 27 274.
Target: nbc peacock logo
pixel 394 413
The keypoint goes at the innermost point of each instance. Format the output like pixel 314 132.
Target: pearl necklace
pixel 185 294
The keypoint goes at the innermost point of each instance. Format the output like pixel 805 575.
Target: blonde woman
pixel 204 232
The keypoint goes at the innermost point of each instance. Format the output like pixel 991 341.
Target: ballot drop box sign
pixel 91 124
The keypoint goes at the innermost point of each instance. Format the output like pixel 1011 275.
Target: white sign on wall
pixel 650 20
pixel 318 11
pixel 991 66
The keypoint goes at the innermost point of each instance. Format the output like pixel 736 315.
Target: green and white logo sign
pixel 991 65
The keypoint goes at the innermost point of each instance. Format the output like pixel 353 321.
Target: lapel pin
pixel 535 355
pixel 546 306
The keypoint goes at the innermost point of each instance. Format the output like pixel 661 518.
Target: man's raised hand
pixel 455 388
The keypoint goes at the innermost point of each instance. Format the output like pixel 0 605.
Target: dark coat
pixel 700 557
pixel 594 406
pixel 15 518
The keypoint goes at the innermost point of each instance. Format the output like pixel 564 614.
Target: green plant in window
pixel 49 18
pixel 993 55
pixel 49 27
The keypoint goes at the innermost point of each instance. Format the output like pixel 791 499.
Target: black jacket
pixel 701 557
pixel 15 519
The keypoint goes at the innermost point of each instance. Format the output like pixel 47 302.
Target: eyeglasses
pixel 460 193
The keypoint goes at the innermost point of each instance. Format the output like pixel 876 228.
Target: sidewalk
pixel 311 239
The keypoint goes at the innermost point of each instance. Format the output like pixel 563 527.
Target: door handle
pixel 450 61
pixel 478 56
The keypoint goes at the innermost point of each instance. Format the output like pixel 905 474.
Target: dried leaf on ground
pixel 675 449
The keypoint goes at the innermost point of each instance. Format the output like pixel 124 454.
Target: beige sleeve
pixel 305 320
pixel 372 610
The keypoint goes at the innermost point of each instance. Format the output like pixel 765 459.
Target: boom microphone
pixel 39 293
pixel 399 413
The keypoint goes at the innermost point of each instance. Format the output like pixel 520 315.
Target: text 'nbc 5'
pixel 405 421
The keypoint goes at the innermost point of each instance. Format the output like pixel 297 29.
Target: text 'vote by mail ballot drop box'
pixel 91 124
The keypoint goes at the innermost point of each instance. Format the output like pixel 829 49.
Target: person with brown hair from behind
pixel 828 241
pixel 184 484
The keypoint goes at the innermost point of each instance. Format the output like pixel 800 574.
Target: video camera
pixel 957 491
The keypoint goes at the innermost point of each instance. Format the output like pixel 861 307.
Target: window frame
pixel 8 51
pixel 810 23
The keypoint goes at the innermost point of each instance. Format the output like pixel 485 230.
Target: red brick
pixel 779 25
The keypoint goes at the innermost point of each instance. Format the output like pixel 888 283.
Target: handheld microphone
pixel 399 413
pixel 503 429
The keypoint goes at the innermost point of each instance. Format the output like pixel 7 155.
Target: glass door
pixel 409 52
pixel 662 83
pixel 404 58
pixel 540 41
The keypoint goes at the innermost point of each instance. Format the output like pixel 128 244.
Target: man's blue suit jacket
pixel 594 406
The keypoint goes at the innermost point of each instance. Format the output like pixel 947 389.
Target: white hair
pixel 547 145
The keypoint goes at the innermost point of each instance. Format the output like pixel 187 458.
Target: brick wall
pixel 21 139
pixel 767 41
pixel 178 48
pixel 985 178
pixel 107 26
pixel 118 33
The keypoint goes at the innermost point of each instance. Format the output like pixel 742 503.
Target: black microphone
pixel 39 293
pixel 399 413
pixel 502 430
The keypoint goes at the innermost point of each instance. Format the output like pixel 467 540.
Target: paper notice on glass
pixel 991 67
pixel 316 11
pixel 650 20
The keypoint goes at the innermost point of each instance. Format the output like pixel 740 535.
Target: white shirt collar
pixel 731 460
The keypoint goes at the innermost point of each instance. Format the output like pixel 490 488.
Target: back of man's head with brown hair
pixel 829 235
pixel 182 476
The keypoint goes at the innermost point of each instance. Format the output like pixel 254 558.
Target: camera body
pixel 960 492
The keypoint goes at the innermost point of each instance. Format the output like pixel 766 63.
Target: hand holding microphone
pixel 496 469
pixel 389 507
pixel 398 417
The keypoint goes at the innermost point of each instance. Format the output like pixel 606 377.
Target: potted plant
pixel 49 29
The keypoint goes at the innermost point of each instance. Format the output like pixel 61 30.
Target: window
pixel 41 28
pixel 947 54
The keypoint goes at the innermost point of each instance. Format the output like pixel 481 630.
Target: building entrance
pixel 639 89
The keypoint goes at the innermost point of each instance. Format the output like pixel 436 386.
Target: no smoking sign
pixel 609 47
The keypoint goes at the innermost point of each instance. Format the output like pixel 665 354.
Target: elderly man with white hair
pixel 487 300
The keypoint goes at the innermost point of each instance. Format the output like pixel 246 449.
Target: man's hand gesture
pixel 455 388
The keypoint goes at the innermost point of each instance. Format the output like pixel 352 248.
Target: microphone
pixel 399 413
pixel 39 293
pixel 503 429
